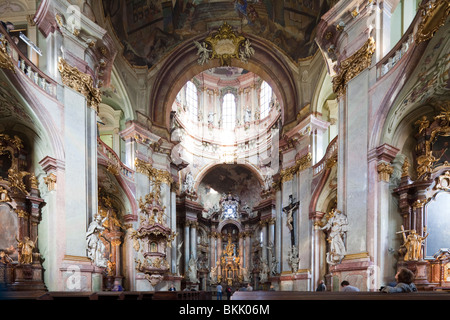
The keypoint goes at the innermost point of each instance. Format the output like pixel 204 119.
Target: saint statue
pixel 192 270
pixel 179 256
pixel 263 274
pixel 337 225
pixel 95 246
pixel 26 250
pixel 413 244
pixel 213 274
pixel 293 259
pixel 188 185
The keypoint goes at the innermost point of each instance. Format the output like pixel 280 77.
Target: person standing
pixel 219 291
pixel 228 293
pixel 321 286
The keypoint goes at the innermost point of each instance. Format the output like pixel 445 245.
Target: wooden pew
pixel 138 295
pixel 108 295
pixel 305 295
pixel 65 295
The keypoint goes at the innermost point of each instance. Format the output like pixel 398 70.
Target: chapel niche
pixel 20 203
pixel 111 213
pixel 424 201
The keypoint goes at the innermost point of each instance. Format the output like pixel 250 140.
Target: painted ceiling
pixel 149 29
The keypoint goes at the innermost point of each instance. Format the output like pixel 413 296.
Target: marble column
pixel 212 246
pixel 219 250
pixel 248 253
pixel 194 239
pixel 241 248
pixel 173 226
pixel 264 240
pixel 271 240
pixel 186 246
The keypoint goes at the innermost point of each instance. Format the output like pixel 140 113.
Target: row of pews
pixel 108 295
pixel 305 295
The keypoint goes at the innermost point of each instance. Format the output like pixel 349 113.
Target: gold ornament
pixel 300 165
pixel 353 65
pixel 80 82
pixel 434 15
pixel 5 59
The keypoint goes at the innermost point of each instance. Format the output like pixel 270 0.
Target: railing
pixel 331 152
pixel 114 160
pixel 399 50
pixel 39 78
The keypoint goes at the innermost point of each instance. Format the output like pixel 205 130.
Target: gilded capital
pixel 384 171
pixel 353 65
pixel 80 82
pixel 300 165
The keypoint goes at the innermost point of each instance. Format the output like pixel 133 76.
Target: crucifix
pixel 289 210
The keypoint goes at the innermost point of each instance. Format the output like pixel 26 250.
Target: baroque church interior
pixel 194 142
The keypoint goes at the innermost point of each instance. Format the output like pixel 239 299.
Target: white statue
pixel 213 274
pixel 293 259
pixel 203 52
pixel 268 181
pixel 264 273
pixel 245 274
pixel 192 271
pixel 179 256
pixel 95 246
pixel 274 266
pixel 188 185
pixel 246 52
pixel 337 225
pixel 248 115
pixel 211 118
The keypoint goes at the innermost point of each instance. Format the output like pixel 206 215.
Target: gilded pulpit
pixel 152 238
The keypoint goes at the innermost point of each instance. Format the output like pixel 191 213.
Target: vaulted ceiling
pixel 149 29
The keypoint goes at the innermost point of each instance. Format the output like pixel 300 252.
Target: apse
pixel 233 179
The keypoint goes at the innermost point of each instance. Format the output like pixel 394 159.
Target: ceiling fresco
pixel 149 29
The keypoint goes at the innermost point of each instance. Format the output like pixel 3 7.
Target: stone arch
pixel 181 65
pixel 206 169
pixel 229 221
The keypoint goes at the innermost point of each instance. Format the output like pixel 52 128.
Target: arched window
pixel 265 96
pixel 229 111
pixel 192 100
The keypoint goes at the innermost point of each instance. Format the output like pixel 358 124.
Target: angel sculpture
pixel 203 52
pixel 246 52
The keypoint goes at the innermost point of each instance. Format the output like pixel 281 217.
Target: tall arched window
pixel 192 100
pixel 265 96
pixel 229 111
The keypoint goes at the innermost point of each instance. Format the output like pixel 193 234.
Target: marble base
pixel 28 278
pixel 356 269
pixel 300 281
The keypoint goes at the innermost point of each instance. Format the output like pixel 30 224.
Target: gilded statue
pixel 4 255
pixel 413 244
pixel 26 247
pixel 423 123
pixel 4 197
pixel 15 177
pixel 425 163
